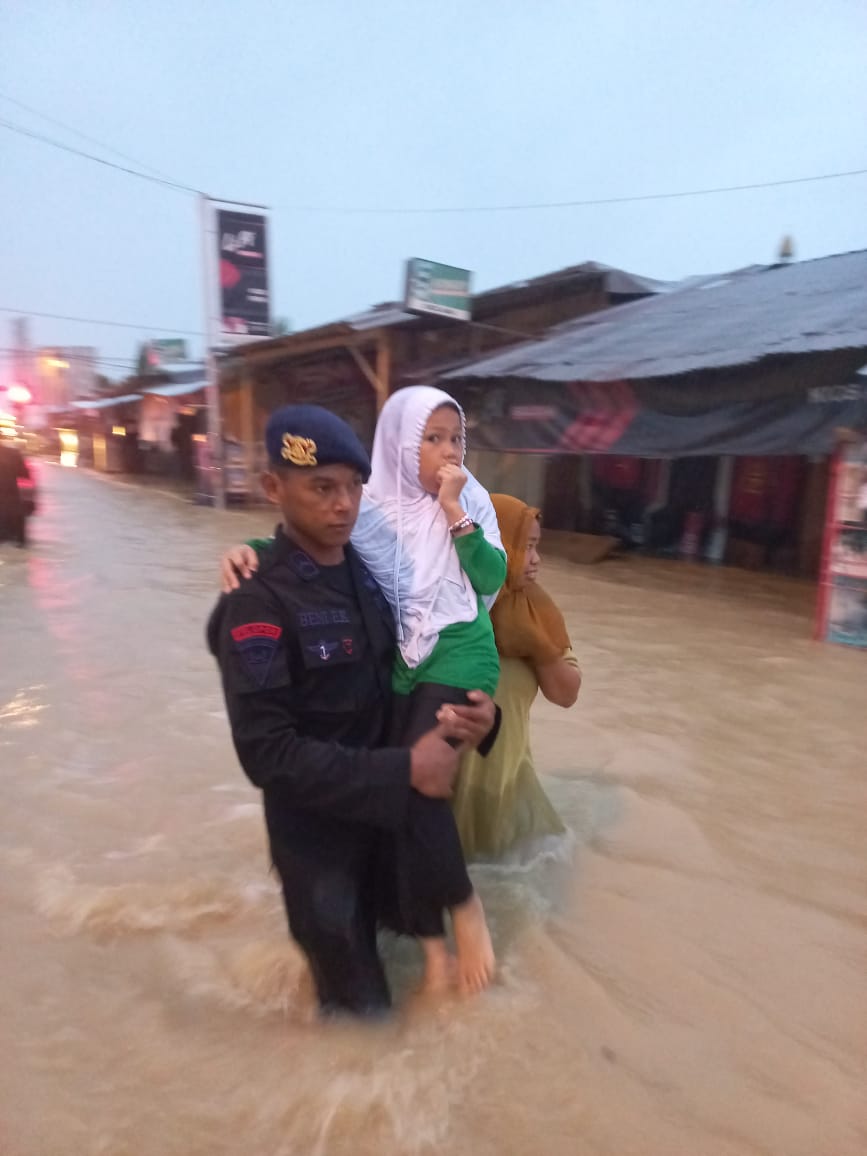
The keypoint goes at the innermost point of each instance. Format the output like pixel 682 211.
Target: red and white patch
pixel 256 630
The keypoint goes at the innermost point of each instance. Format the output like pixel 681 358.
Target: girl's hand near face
pixel 452 480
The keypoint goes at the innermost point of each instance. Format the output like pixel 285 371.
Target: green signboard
pixel 439 289
pixel 168 349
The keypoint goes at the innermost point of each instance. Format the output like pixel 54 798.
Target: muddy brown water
pixel 687 976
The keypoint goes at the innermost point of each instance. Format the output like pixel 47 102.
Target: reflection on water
pixel 684 977
pixel 22 709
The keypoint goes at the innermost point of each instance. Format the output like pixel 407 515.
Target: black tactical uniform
pixel 305 653
pixel 13 515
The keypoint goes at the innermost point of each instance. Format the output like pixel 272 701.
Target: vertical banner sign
pixel 843 581
pixel 244 305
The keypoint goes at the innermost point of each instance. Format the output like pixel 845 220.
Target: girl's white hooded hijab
pixel 402 533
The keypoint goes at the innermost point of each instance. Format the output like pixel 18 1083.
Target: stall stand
pixel 842 611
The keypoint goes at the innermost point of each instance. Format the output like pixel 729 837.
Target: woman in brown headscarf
pixel 499 802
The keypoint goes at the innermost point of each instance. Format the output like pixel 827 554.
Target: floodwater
pixel 690 982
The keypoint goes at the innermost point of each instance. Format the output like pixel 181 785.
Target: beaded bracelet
pixel 463 523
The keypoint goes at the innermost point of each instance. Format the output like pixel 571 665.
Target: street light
pixel 19 394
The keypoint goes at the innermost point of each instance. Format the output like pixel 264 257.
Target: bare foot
pixel 440 967
pixel 476 961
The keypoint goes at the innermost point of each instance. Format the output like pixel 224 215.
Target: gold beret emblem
pixel 299 451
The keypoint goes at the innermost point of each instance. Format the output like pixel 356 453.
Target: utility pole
pixel 212 383
pixel 214 337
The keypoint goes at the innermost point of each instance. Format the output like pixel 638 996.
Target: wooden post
pixel 826 580
pixel 383 369
pixel 816 508
pixel 379 386
pixel 248 426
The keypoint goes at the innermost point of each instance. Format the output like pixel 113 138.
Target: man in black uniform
pixel 13 516
pixel 305 648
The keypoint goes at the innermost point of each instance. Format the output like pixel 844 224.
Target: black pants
pixel 432 872
pixel 13 525
pixel 341 880
pixel 333 875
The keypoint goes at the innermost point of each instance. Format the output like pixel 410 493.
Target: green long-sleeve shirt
pixel 465 654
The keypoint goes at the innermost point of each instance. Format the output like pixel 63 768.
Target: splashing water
pixel 683 975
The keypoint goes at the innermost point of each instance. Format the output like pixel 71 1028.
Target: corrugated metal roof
pixel 703 323
pixel 179 389
pixel 105 402
pixel 380 316
pixel 618 283
pixel 180 370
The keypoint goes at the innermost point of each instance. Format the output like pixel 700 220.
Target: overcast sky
pixel 313 106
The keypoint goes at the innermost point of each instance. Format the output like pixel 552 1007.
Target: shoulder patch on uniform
pixel 256 630
pixel 256 643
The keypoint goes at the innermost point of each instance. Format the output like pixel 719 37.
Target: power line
pixel 590 201
pixel 99 321
pixel 99 160
pixel 77 132
pixel 10 354
pixel 395 210
pixel 71 353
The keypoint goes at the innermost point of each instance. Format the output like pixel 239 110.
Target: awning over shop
pixel 760 361
pixel 105 402
pixel 177 389
pixel 619 420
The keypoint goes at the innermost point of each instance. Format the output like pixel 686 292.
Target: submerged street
pixel 688 980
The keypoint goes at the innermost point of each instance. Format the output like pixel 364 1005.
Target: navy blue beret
pixel 308 435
